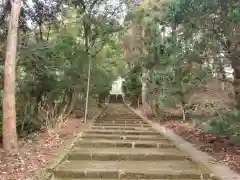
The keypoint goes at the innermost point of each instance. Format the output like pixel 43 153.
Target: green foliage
pixel 52 69
pixel 132 84
pixel 235 15
pixel 183 43
pixel 226 125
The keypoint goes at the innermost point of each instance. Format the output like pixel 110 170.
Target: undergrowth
pixel 226 125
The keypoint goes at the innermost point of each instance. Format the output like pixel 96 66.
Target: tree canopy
pixel 180 50
pixel 55 40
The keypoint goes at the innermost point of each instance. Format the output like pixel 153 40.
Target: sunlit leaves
pixel 235 15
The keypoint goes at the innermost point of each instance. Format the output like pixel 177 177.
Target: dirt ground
pixel 37 153
pixel 221 149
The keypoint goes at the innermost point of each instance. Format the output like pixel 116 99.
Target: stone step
pixel 126 154
pixel 99 143
pixel 119 137
pixel 123 179
pixel 123 117
pixel 120 145
pixel 120 120
pixel 122 124
pixel 121 127
pixel 131 170
pixel 126 114
pixel 130 132
pixel 122 112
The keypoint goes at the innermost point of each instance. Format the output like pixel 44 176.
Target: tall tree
pixel 98 28
pixel 144 29
pixel 9 109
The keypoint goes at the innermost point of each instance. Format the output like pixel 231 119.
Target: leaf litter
pixel 37 152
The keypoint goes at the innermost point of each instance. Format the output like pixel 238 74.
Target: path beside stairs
pixel 120 145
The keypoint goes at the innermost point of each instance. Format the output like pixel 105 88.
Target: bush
pixel 132 86
pixel 227 125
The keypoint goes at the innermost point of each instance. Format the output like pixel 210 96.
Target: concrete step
pixel 122 124
pixel 124 117
pixel 119 137
pixel 120 145
pixel 130 121
pixel 99 143
pixel 121 127
pixel 124 179
pixel 144 131
pixel 120 121
pixel 126 154
pixel 131 170
pixel 122 112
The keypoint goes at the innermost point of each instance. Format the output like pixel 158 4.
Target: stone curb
pixel 220 171
pixel 46 173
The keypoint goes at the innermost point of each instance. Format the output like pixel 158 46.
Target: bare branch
pixel 104 19
pixel 93 4
pixel 83 5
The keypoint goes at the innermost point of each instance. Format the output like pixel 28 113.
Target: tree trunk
pixel 72 103
pixel 154 110
pixel 145 76
pixel 236 82
pixel 134 101
pixel 9 104
pixel 232 34
pixel 183 111
pixel 234 54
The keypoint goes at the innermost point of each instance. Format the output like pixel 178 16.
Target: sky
pixel 113 3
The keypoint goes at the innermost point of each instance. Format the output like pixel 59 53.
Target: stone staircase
pixel 120 145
